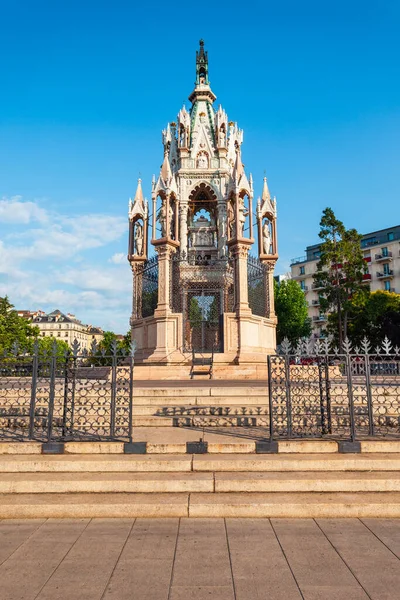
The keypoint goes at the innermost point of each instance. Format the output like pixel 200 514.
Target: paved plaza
pixel 182 559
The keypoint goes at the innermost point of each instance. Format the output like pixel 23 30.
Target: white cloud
pixel 118 259
pixel 107 279
pixel 14 210
pixel 54 263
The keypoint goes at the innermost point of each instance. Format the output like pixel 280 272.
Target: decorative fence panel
pixel 74 397
pixel 312 389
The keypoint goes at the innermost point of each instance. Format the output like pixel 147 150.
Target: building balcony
pixel 384 256
pixel 319 319
pixel 317 286
pixel 386 275
pixel 305 288
pixel 315 303
pixel 299 259
pixel 366 278
pixel 391 290
pixel 300 275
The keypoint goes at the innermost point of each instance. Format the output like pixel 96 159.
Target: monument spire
pixel 201 65
pixel 202 88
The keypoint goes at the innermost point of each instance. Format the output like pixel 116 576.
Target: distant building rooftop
pixel 375 238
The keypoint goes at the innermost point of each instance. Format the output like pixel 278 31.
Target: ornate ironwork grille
pixel 316 391
pixel 313 390
pixel 202 290
pixel 257 282
pixel 50 397
pixel 146 288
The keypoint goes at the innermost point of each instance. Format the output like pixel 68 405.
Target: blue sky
pixel 86 88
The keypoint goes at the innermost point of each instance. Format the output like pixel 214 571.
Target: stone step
pixel 192 482
pixel 296 462
pixel 194 410
pixel 152 422
pixel 173 441
pixel 30 506
pixel 203 505
pixel 296 505
pixel 106 463
pixel 45 483
pixel 330 481
pixel 92 463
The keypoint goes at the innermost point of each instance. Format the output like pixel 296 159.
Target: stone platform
pixel 305 479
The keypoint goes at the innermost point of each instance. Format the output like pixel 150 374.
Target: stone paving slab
pixel 180 559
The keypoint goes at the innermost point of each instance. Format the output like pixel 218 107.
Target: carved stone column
pixel 184 227
pixel 269 292
pixel 222 230
pixel 164 252
pixel 136 291
pixel 240 252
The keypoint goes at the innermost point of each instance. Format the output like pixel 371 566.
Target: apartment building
pixel 381 250
pixel 65 327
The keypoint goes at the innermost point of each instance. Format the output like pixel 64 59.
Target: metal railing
pixel 75 396
pixel 313 391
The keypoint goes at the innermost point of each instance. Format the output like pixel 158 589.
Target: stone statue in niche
pixel 162 218
pixel 231 220
pixel 171 215
pixel 266 236
pixel 183 137
pixel 138 239
pixel 202 162
pixel 243 212
pixel 221 137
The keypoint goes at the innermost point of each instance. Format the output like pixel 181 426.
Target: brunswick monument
pixel 200 288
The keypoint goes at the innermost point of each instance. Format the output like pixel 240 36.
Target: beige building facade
pixel 65 327
pixel 381 250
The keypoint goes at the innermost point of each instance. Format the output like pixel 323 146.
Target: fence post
pixel 328 394
pixel 33 391
pixel 345 446
pixel 369 395
pixel 53 361
pixel 271 416
pixel 321 396
pixel 113 394
pixel 288 396
pixel 269 446
pixel 131 364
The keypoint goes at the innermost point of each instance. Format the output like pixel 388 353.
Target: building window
pixel 303 286
pixel 390 236
pixel 387 286
pixel 386 269
pixel 302 271
pixel 385 251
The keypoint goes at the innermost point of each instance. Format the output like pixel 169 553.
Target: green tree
pixel 375 315
pixel 14 329
pixel 46 347
pixel 195 313
pixel 340 270
pixel 213 313
pixel 104 349
pixel 292 311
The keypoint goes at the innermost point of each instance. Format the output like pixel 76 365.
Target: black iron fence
pixel 317 391
pixel 312 391
pixel 75 396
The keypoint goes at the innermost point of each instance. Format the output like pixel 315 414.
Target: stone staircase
pixel 205 406
pixel 305 479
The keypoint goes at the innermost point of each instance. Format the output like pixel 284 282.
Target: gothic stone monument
pixel 202 290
